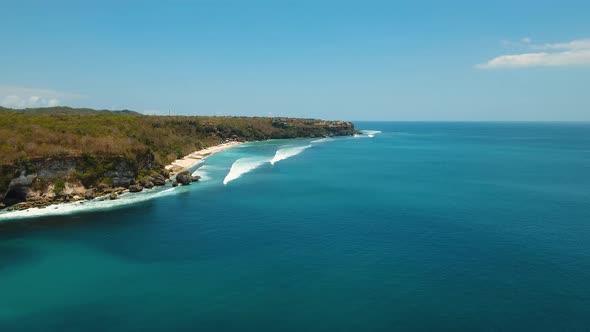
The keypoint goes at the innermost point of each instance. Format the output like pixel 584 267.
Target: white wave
pixel 97 204
pixel 243 166
pixel 203 176
pixel 368 133
pixel 287 152
pixel 203 173
pixel 371 133
pixel 322 140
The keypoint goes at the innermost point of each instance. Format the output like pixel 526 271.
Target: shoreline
pixel 193 158
pixel 105 201
pixel 176 167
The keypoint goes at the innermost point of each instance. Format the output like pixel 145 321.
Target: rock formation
pixel 184 178
pixel 135 188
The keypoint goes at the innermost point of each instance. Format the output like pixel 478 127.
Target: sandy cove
pixel 194 158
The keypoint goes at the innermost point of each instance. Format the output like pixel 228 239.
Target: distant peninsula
pixel 62 154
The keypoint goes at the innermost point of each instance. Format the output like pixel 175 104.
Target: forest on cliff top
pixel 63 131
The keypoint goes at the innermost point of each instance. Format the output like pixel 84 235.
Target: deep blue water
pixel 423 227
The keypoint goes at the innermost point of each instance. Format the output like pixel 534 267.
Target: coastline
pixel 178 166
pixel 76 162
pixel 121 196
pixel 193 158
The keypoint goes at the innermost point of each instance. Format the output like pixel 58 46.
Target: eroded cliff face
pixel 40 182
pixel 341 128
pixel 314 128
pixel 122 174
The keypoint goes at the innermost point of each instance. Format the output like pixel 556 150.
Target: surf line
pixel 288 152
pixel 248 164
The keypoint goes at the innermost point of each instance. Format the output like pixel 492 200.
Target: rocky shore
pixel 52 181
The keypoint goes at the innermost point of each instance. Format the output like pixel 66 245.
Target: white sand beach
pixel 193 158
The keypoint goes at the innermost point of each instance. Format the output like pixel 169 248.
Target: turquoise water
pixel 422 227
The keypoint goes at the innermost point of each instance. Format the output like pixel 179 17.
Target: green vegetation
pixel 58 186
pixel 39 133
pixel 91 169
pixel 101 141
pixel 6 175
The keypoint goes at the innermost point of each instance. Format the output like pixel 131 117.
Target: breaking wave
pixel 367 133
pixel 370 133
pixel 243 166
pixel 288 152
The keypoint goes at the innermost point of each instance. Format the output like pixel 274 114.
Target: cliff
pixel 43 181
pixel 63 154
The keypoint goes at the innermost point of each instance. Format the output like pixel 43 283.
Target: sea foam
pixel 97 204
pixel 243 166
pixel 370 133
pixel 367 133
pixel 288 152
pixel 203 172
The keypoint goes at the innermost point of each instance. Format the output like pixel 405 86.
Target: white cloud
pixel 19 97
pixel 571 54
pixel 581 44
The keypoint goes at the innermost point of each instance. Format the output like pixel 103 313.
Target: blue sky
pixel 351 60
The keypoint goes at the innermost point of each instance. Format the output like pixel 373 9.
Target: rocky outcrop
pixel 159 180
pixel 89 194
pixel 183 178
pixel 152 181
pixel 147 183
pixel 135 188
pixel 336 128
pixel 19 189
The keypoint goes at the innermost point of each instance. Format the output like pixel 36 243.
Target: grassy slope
pixel 29 135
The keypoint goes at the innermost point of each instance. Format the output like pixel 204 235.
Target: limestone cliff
pixel 43 181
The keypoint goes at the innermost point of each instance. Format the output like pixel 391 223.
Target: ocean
pixel 408 227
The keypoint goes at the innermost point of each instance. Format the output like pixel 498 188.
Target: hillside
pixel 94 147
